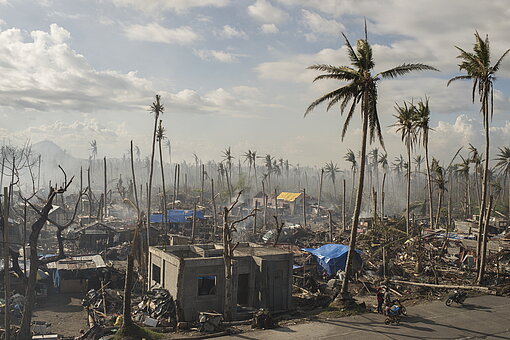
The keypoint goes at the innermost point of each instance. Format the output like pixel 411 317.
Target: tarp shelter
pixel 177 216
pixel 332 257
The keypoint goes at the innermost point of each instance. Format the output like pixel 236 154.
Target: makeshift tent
pixel 332 257
pixel 177 216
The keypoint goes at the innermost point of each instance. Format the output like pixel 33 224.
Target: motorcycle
pixel 393 315
pixel 402 309
pixel 457 297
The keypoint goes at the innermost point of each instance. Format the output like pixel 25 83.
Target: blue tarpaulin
pixel 332 257
pixel 177 216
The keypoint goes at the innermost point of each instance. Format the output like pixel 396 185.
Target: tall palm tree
pixel 157 109
pixel 440 180
pixel 406 125
pixel 331 170
pixel 476 159
pixel 93 149
pixel 361 88
pixel 423 125
pixel 351 158
pixel 477 66
pixel 462 169
pixel 503 167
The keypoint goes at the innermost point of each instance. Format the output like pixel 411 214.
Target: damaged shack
pixel 195 276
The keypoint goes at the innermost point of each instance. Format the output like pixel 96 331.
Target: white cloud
pixel 269 28
pixel 318 24
pixel 154 6
pixel 264 12
pixel 154 32
pixel 232 32
pixel 46 74
pixel 221 56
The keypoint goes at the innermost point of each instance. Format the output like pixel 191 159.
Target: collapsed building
pixel 195 276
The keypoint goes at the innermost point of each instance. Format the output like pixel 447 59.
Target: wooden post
pixel 304 208
pixel 7 279
pixel 265 204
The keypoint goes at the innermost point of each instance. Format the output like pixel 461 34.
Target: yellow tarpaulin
pixel 289 196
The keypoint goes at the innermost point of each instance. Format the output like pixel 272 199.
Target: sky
pixel 234 73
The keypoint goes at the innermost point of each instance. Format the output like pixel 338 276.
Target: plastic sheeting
pixel 332 257
pixel 177 216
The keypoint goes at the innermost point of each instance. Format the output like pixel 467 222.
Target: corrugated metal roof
pixel 289 196
pixel 79 263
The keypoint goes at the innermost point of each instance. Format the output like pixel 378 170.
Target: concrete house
pixel 195 276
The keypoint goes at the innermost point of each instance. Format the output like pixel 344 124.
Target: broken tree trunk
pixel 480 288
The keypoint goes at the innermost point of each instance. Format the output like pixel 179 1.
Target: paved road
pixel 482 317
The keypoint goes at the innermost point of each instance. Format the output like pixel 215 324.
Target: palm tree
pixel 157 109
pixel 351 158
pixel 440 180
pixel 423 126
pixel 418 161
pixel 93 149
pixel 331 170
pixel 361 88
pixel 462 169
pixel 227 158
pixel 503 167
pixel 406 125
pixel 477 66
pixel 476 159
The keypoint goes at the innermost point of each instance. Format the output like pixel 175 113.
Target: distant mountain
pixel 51 153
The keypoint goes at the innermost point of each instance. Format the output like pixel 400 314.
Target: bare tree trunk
pixel 429 185
pixel 165 208
pixel 227 257
pixel 7 278
pixel 194 224
pixel 344 227
pixel 485 111
pixel 482 260
pixel 357 209
pixel 105 190
pixel 202 185
pixel 151 171
pixel 408 210
pixel 304 208
pixel 89 192
pixel 255 218
pixel 213 199
pixel 320 192
pixel 330 220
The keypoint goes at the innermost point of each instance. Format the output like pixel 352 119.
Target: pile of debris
pixel 100 303
pixel 157 308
